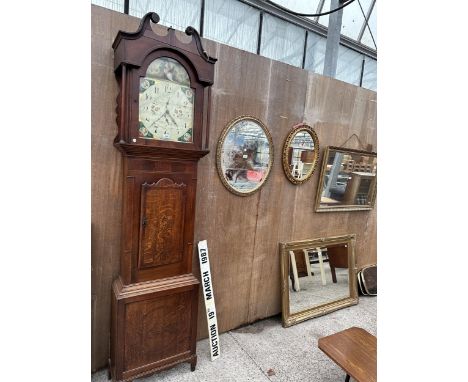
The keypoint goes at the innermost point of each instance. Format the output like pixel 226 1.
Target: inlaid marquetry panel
pixel 162 223
pixel 154 331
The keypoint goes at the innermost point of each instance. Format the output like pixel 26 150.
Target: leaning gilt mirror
pixel 318 276
pixel 300 153
pixel 245 155
pixel 348 180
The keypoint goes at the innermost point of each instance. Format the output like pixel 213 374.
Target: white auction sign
pixel 209 299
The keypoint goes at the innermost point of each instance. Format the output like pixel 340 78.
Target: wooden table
pixel 355 351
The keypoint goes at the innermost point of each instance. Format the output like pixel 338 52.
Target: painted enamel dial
pixel 166 102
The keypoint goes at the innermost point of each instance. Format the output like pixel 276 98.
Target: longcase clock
pixel 162 117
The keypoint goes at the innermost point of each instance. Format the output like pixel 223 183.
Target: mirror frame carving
pixel 346 207
pixel 220 146
pixel 289 319
pixel 297 128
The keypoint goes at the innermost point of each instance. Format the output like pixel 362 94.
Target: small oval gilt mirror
pixel 300 153
pixel 245 155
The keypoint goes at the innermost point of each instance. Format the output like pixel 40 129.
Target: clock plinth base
pixel 154 326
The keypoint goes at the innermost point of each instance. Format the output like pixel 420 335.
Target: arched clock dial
pixel 166 102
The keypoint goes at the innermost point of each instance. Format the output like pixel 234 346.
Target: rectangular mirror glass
pixel 318 277
pixel 348 180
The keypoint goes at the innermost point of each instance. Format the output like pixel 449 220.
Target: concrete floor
pixel 265 351
pixel 313 293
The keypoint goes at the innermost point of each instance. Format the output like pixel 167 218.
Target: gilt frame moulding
pixel 289 319
pixel 347 207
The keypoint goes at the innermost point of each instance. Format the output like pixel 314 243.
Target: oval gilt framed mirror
pixel 300 153
pixel 244 155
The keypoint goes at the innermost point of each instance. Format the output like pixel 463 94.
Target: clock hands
pixel 172 118
pixel 167 111
pixel 165 117
pixel 165 114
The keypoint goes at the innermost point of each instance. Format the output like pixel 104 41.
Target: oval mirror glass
pixel 300 153
pixel 245 155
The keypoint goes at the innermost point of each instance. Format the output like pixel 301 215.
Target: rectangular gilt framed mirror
pixel 348 180
pixel 318 276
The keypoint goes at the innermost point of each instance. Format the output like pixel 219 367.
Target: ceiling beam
pixel 310 25
pixel 319 9
pixel 366 20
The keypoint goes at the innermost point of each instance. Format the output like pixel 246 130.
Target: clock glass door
pixel 166 102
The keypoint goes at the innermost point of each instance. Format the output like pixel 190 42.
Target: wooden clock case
pixel 155 297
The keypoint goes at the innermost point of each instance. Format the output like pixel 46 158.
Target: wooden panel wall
pixel 242 232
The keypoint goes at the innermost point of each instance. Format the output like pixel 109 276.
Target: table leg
pixel 322 271
pixel 294 269
pixel 333 272
pixel 347 378
pixel 307 261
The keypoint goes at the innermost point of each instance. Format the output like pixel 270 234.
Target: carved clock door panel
pixel 164 204
pixel 162 215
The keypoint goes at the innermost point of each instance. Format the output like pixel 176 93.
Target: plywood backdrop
pixel 242 232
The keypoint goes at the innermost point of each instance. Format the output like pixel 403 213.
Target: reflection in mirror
pixel 347 181
pixel 318 277
pixel 300 153
pixel 244 155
